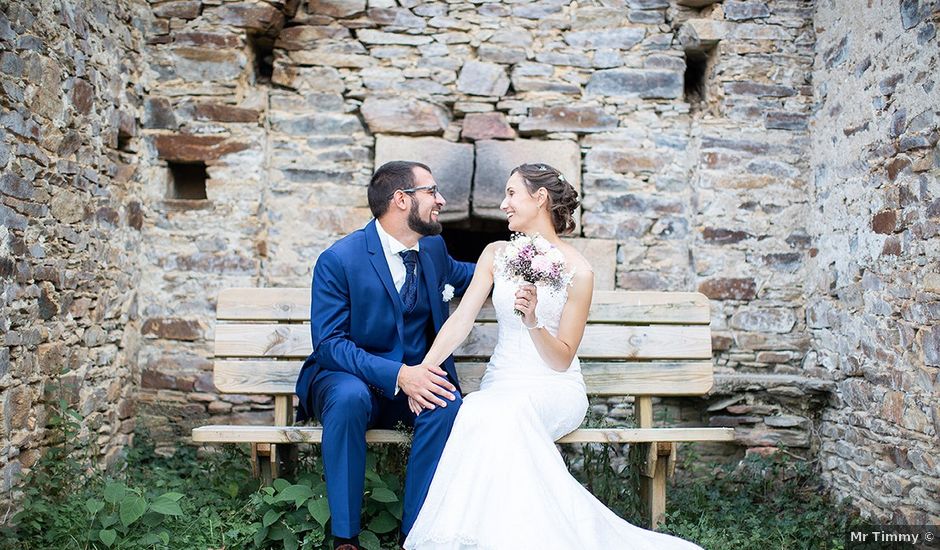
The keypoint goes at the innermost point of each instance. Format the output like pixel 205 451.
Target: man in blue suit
pixel 378 299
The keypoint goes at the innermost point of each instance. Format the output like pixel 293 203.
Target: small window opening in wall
pixel 466 239
pixel 696 64
pixel 187 181
pixel 263 52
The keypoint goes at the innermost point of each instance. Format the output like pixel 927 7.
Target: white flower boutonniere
pixel 448 293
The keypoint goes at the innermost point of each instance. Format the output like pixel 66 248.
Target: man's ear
pixel 398 201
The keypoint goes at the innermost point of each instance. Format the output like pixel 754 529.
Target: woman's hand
pixel 526 300
pixel 414 406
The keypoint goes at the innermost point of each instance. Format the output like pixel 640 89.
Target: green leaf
pixel 132 507
pixel 369 541
pixel 290 542
pixel 149 539
pixel 382 494
pixel 297 493
pixel 383 523
pixel 107 536
pixel 280 484
pixel 175 497
pixel 114 492
pixel 270 517
pixel 260 535
pixel 108 520
pixel 93 506
pixel 166 507
pixel 396 510
pixel 320 510
pixel 165 537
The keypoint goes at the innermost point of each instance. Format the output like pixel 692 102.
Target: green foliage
pixel 193 500
pixel 764 502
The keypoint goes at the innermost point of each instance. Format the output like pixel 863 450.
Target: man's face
pixel 426 205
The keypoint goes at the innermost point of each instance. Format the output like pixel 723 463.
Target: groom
pixel 378 299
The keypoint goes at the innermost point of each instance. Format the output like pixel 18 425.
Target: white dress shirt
pixel 392 246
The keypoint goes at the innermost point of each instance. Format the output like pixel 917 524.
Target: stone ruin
pixel 780 156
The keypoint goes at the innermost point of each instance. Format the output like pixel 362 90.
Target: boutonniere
pixel 448 293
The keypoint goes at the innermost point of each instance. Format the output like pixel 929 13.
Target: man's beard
pixel 420 226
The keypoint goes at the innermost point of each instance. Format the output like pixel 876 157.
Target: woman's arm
pixel 559 351
pixel 458 326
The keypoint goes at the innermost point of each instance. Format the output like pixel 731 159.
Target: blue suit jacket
pixel 356 318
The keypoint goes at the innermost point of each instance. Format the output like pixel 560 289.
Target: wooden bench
pixel 640 344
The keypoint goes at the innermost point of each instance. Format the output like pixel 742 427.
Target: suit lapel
pixel 430 285
pixel 378 261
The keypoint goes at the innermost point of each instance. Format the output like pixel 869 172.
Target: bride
pixel 501 482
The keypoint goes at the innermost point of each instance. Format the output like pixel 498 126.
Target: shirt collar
pixel 390 244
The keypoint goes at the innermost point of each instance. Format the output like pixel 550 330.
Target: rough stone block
pixel 369 36
pixel 451 163
pixel 602 255
pixel 623 38
pixel 188 9
pixel 336 8
pixel 777 320
pixel 739 11
pixel 643 83
pixel 192 148
pixel 701 34
pixel 488 79
pixel 172 328
pixel 404 116
pixel 492 125
pixel 729 288
pixel 495 159
pixel 564 118
pixel 304 37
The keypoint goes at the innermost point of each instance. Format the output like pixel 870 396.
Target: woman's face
pixel 521 208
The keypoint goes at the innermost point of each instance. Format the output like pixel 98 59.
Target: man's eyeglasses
pixel 431 189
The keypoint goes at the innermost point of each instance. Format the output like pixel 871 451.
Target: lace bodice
pixel 514 349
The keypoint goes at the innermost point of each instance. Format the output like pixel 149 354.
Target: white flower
pixel 448 293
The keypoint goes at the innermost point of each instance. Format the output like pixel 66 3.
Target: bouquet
pixel 533 260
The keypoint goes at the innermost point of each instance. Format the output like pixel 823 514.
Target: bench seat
pixel 639 344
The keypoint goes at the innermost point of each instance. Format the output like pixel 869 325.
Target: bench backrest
pixel 636 343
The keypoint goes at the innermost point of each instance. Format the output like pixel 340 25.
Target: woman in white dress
pixel 501 482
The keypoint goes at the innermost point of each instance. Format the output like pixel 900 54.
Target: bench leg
pixel 659 466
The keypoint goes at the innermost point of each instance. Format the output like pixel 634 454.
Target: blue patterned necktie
pixel 409 291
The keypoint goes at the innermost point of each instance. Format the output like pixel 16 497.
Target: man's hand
pixel 427 385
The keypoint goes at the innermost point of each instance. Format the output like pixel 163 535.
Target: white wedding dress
pixel 501 482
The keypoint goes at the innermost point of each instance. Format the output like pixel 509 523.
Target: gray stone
pixel 568 119
pixel 487 79
pixel 369 36
pixel 623 38
pixel 316 124
pixel 396 18
pixel 739 11
pixel 404 116
pixel 336 8
pixel 566 59
pixel 777 320
pixel 499 54
pixel 643 83
pixel 491 125
pixel 451 164
pixel 495 159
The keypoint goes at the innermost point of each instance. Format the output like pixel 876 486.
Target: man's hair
pixel 390 177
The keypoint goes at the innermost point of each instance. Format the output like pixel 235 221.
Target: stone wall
pixel 874 281
pixel 70 208
pixel 685 128
pixel 770 154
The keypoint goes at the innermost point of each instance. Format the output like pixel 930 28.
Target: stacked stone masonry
pixel 779 156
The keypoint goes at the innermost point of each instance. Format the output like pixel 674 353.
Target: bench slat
pixel 612 378
pixel 612 306
pixel 312 434
pixel 600 341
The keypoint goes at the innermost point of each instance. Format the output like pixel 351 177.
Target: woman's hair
pixel 562 197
